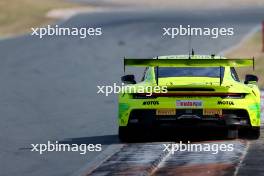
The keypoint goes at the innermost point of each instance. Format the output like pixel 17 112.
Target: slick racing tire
pixel 254 133
pixel 124 134
pixel 232 133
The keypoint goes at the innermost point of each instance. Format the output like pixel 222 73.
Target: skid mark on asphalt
pixel 151 159
pixel 133 159
pixel 204 163
pixel 198 170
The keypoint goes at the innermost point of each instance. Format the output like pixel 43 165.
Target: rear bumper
pixel 148 118
pixel 247 108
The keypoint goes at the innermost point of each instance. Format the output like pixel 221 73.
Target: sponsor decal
pixel 165 112
pixel 225 103
pixel 150 103
pixel 189 103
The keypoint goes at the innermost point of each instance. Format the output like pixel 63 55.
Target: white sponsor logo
pixel 189 103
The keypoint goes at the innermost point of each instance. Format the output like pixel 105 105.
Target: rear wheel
pixel 254 133
pixel 232 133
pixel 124 133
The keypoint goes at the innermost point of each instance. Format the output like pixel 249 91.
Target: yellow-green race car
pixel 189 91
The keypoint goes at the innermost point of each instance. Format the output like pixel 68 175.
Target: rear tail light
pixel 188 94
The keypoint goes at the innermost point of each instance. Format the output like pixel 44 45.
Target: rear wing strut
pixel 149 62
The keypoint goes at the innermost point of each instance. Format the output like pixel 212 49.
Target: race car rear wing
pixel 188 62
pixel 245 62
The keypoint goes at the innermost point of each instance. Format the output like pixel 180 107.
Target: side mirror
pixel 128 79
pixel 251 78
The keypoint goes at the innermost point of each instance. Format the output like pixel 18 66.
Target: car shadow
pixel 149 137
pixel 183 135
pixel 161 135
pixel 104 140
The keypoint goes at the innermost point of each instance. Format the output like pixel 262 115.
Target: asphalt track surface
pixel 48 86
pixel 152 159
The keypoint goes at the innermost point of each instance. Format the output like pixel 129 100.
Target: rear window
pixel 190 72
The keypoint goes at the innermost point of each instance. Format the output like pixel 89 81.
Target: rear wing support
pixel 157 73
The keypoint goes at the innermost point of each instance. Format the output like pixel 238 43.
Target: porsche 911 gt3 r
pixel 201 90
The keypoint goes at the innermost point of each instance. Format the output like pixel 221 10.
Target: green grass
pixel 18 16
pixel 251 47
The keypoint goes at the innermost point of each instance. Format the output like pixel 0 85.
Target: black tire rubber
pixel 232 133
pixel 124 134
pixel 254 133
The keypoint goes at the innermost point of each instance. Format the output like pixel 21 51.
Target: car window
pixel 190 72
pixel 234 74
pixel 144 74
